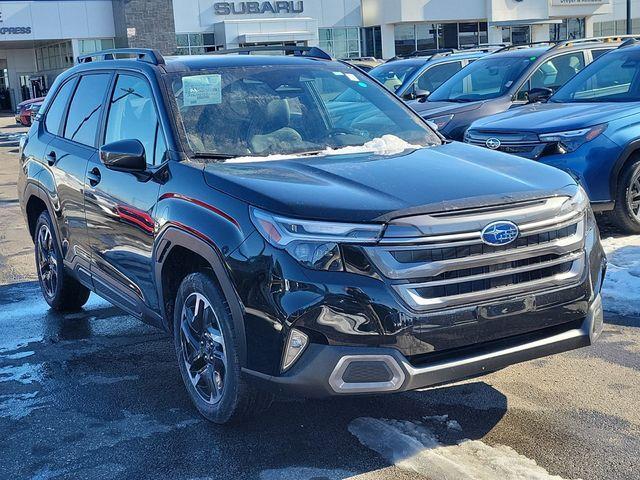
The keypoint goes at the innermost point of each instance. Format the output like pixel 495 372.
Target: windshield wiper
pixel 213 155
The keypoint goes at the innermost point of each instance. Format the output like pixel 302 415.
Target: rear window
pixel 86 108
pixel 56 110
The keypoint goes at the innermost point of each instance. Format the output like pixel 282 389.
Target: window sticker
pixel 202 90
pixel 338 74
pixel 352 77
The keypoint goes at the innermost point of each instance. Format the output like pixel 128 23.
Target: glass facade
pixel 410 37
pixel 340 42
pixel 56 56
pixel 615 27
pixel 195 43
pixel 371 42
pixel 94 45
pixel 569 29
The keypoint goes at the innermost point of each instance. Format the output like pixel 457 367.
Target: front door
pixel 120 205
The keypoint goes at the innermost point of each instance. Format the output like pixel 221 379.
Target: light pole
pixel 629 22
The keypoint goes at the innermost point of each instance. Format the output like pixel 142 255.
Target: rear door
pixel 73 127
pixel 120 205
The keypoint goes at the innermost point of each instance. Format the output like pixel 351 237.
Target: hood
pixel 365 187
pixel 433 109
pixel 555 117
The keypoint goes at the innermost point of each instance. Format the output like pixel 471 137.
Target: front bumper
pixel 323 370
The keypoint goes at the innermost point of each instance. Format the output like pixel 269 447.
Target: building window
pixel 605 29
pixel 569 29
pixel 196 43
pixel 410 37
pixel 340 42
pixel 56 56
pixel 517 35
pixel 371 42
pixel 92 45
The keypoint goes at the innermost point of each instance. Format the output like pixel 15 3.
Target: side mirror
pixel 415 93
pixel 539 94
pixel 421 95
pixel 124 156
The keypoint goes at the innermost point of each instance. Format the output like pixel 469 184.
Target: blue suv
pixel 590 128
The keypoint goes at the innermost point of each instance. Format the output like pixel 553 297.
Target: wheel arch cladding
pixel 629 155
pixel 179 253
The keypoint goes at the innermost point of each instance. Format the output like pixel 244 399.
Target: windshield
pixel 264 110
pixel 394 74
pixel 612 78
pixel 487 78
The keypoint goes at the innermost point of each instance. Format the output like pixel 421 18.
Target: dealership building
pixel 41 38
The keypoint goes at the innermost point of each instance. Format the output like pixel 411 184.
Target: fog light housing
pixel 296 343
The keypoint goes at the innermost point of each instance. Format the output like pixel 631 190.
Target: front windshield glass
pixel 284 110
pixel 612 78
pixel 484 79
pixel 394 74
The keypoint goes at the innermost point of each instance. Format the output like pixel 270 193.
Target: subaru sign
pixel 500 233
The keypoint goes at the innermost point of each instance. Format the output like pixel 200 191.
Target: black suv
pixel 298 229
pixel 509 77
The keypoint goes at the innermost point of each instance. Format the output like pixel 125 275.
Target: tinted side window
pixel 436 76
pixel 56 110
pixel 595 54
pixel 85 110
pixel 132 114
pixel 557 71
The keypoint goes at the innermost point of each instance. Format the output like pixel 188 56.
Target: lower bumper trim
pixel 318 373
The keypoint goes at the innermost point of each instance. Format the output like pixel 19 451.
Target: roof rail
pixel 606 39
pixel 147 55
pixel 313 52
pixel 526 45
pixel 630 41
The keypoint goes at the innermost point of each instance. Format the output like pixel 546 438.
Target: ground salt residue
pixel 413 447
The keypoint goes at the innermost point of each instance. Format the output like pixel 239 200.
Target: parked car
pixel 364 63
pixel 290 247
pixel 589 128
pixel 23 111
pixel 417 77
pixel 510 77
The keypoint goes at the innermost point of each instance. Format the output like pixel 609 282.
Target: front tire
pixel 207 347
pixel 626 215
pixel 61 291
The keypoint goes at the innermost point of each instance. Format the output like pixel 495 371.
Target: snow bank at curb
pixel 621 289
pixel 413 447
pixel 385 145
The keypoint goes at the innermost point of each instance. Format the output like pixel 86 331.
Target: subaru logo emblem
pixel 500 233
pixel 493 143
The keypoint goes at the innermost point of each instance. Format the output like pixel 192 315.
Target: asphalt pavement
pixel 97 394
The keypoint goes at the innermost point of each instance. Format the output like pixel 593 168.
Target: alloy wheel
pixel 633 195
pixel 47 261
pixel 203 348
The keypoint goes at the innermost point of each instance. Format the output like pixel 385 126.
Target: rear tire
pixel 61 291
pixel 207 347
pixel 626 215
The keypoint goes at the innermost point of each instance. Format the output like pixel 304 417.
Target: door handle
pixel 51 157
pixel 94 176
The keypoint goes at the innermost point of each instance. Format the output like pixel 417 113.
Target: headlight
pixel 573 139
pixel 313 244
pixel 441 121
pixel 578 203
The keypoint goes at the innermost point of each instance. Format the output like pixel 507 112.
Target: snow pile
pixel 385 145
pixel 413 447
pixel 621 289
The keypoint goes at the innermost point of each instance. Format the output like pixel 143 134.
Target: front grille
pixel 456 268
pixel 524 145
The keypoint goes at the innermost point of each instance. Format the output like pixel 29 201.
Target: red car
pixel 23 112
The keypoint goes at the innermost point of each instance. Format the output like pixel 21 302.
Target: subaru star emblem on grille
pixel 500 233
pixel 493 143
